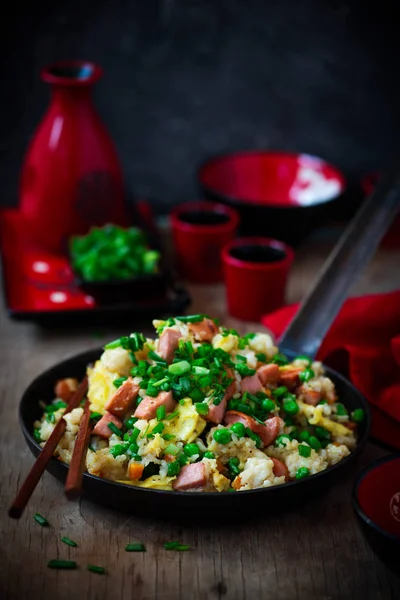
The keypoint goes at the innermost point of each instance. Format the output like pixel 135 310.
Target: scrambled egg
pixel 101 386
pixel 314 416
pixel 187 425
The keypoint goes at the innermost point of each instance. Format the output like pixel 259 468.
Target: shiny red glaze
pixel 377 495
pixel 198 246
pixel 253 289
pixel 271 179
pixel 71 177
pixel 392 237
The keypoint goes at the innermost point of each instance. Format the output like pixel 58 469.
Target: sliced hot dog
pixel 204 331
pixel 148 407
pixel 268 374
pixel 268 432
pixel 310 396
pixel 168 343
pixel 216 411
pixel 280 469
pixel 123 399
pixel 191 477
pixel 290 377
pixel 251 384
pixel 102 429
pixel 65 388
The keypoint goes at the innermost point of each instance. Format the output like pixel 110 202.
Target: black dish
pixel 167 503
pixel 385 544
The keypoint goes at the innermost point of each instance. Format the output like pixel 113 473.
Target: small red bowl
pixel 376 501
pixel 278 194
pixel 255 273
pixel 199 231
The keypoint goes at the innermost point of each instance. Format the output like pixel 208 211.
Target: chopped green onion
pixel 118 382
pixel 173 468
pixel 157 429
pixel 51 418
pixel 118 450
pixel 341 410
pixel 233 466
pixel 130 422
pixel 253 436
pixel 61 564
pixel 304 436
pixel 37 435
pixel 358 415
pixel 244 370
pixel 55 406
pixel 191 318
pixel 200 370
pixel 280 391
pixel 280 359
pixel 41 520
pixel 222 436
pixel 176 546
pixel 95 415
pixel 69 542
pixel 168 437
pixel 304 450
pixel 191 449
pixel 209 455
pixel 156 358
pixel 113 344
pixel 201 408
pixel 320 432
pixel 160 412
pixel 172 449
pixel 314 443
pixel 302 473
pixel 306 375
pixel 114 429
pixel 241 358
pixel 96 569
pixel 260 356
pixel 139 547
pixel 152 391
pixel 238 429
pixel 172 415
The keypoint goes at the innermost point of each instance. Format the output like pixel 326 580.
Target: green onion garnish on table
pixel 61 564
pixel 138 547
pixel 96 569
pixel 178 546
pixel 69 542
pixel 41 520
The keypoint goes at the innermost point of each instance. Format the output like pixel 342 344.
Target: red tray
pixel 40 286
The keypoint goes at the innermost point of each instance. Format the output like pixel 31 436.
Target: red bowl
pixel 376 500
pixel 278 194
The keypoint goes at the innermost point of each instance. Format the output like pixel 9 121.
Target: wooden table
pixel 315 552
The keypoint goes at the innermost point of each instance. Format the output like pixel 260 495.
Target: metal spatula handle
pixel 352 252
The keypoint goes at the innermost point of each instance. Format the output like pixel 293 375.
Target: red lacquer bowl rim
pixel 284 156
pixel 356 505
pixel 180 209
pixel 278 265
pixel 49 77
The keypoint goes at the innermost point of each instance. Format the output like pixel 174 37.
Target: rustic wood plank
pixel 316 551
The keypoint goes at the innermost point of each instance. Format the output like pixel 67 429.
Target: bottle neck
pixel 72 96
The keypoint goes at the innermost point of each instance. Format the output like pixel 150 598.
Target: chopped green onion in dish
pixel 112 253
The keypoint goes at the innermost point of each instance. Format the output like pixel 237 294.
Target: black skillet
pixel 303 336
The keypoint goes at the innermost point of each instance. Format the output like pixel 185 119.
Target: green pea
pixel 306 375
pixel 222 436
pixel 239 429
pixel 173 468
pixel 191 449
pixel 314 443
pixel 302 473
pixel 210 455
pixel 358 415
pixel 268 405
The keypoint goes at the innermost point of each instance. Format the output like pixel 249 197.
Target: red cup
pixel 200 230
pixel 255 271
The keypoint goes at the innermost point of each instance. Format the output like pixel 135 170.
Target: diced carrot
pixel 135 470
pixel 236 483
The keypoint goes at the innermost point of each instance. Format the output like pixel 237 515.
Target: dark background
pixel 186 79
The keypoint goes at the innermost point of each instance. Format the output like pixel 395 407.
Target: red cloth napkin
pixel 364 345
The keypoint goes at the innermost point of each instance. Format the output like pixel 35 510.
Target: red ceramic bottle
pixel 71 177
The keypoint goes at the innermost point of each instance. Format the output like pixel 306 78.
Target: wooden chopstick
pixel 76 467
pixel 32 479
